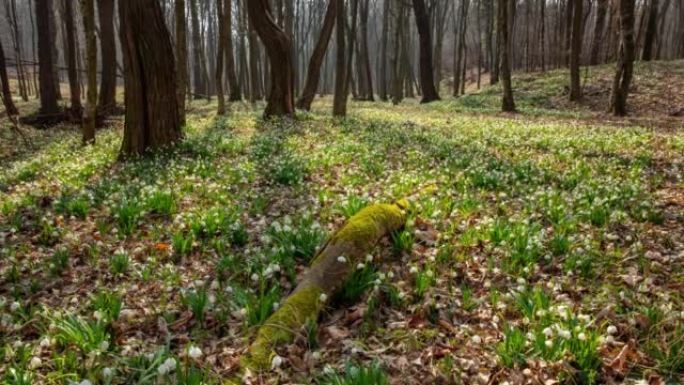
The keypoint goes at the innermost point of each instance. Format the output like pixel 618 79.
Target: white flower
pixel 582 337
pixel 35 363
pixel 360 266
pixel 548 332
pixel 276 362
pixel 14 306
pixel 341 259
pixel 565 334
pixel 194 352
pixel 107 373
pixel 323 297
pixel 612 330
pixel 476 339
pixel 414 270
pixel 104 345
pixel 548 343
pixel 255 277
pixel 369 258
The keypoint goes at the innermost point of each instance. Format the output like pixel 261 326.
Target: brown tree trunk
pixel 351 43
pixel 15 32
pixel 254 57
pixel 152 116
pixel 198 65
pixel 181 57
pixel 496 48
pixel 48 91
pixel 88 8
pixel 601 9
pixel 235 92
pixel 4 82
pixel 626 54
pixel 542 35
pixel 651 29
pixel 505 7
pixel 661 29
pixel 427 79
pixel 399 62
pixel 222 34
pixel 313 74
pixel 340 99
pixel 365 71
pixel 575 52
pixel 384 46
pixel 279 51
pixel 107 98
pixel 76 110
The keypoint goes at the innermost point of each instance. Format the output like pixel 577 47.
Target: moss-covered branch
pixel 330 269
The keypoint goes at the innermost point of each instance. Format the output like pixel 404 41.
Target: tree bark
pixel 279 51
pixel 234 84
pixel 181 57
pixel 575 52
pixel 222 41
pixel 340 98
pixel 152 115
pixel 504 18
pixel 427 79
pixel 366 71
pixel 351 44
pixel 76 110
pixel 313 74
pixel 4 82
pixel 384 45
pixel 198 66
pixel 626 54
pixel 107 98
pixel 651 30
pixel 88 128
pixel 542 34
pixel 48 91
pixel 599 25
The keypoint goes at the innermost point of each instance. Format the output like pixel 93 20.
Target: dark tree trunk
pixel 222 40
pixel 76 109
pixel 503 25
pixel 427 79
pixel 88 7
pixel 661 29
pixel 364 54
pixel 496 47
pixel 576 51
pixel 15 32
pixel 626 54
pixel 181 57
pixel 198 63
pixel 351 43
pixel 601 9
pixel 340 99
pixel 384 45
pixel 152 116
pixel 4 82
pixel 48 91
pixel 107 98
pixel 279 51
pixel 651 29
pixel 254 57
pixel 314 71
pixel 235 92
pixel 542 35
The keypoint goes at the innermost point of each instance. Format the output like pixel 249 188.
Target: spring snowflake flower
pixel 564 334
pixel 323 297
pixel 276 362
pixel 612 330
pixel 107 373
pixel 341 259
pixel 548 343
pixel 414 270
pixel 194 352
pixel 582 337
pixel 35 363
pixel 369 258
pixel 360 266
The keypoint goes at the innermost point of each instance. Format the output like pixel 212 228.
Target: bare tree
pixel 575 51
pixel 6 94
pixel 181 57
pixel 340 99
pixel 651 30
pixel 314 71
pixel 221 46
pixel 427 79
pixel 48 89
pixel 599 25
pixel 76 110
pixel 107 97
pixel 88 7
pixel 626 54
pixel 152 115
pixel 278 48
pixel 503 25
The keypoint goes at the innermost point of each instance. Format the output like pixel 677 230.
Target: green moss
pixel 282 326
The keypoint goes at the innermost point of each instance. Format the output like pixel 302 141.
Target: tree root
pixel 330 269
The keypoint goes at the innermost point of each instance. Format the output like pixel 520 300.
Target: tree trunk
pixel 651 29
pixel 661 29
pixel 496 47
pixel 279 50
pixel 7 101
pixel 107 98
pixel 198 64
pixel 351 43
pixel 48 91
pixel 76 110
pixel 254 57
pixel 427 79
pixel 235 92
pixel 505 8
pixel 626 54
pixel 599 25
pixel 15 32
pixel 398 60
pixel 314 71
pixel 88 8
pixel 384 45
pixel 542 35
pixel 181 57
pixel 340 99
pixel 364 54
pixel 575 52
pixel 222 41
pixel 152 116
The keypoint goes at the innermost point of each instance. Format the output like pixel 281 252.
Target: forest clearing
pixel 343 192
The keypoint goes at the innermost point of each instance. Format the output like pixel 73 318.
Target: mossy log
pixel 330 269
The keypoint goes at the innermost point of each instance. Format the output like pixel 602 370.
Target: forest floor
pixel 550 251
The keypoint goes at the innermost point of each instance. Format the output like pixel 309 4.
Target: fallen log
pixel 330 269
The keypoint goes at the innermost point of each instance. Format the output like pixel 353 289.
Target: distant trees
pixel 76 109
pixel 626 54
pixel 91 62
pixel 107 98
pixel 340 99
pixel 221 45
pixel 152 115
pixel 6 94
pixel 576 50
pixel 181 57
